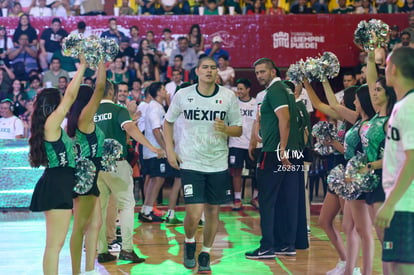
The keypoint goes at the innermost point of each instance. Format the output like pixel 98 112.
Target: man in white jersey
pixel 238 152
pixel 10 126
pixel 210 115
pixel 397 213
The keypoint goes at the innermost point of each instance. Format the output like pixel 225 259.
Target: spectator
pixel 126 53
pixel 211 8
pixel 166 46
pixel 149 35
pixel 16 11
pixel 5 44
pixel 50 42
pixel 6 77
pixel 300 7
pixel 171 86
pixel 135 39
pixel 35 87
pixel 408 6
pixel 59 8
pixel 24 27
pixel 62 84
pixel 113 31
pixel 189 56
pixel 215 51
pixel 11 126
pixel 394 37
pixel 178 66
pixel 135 93
pixel 26 118
pixel 40 9
pixel 367 8
pixel 405 41
pixel 23 57
pixel 144 49
pixel 89 7
pixel 81 29
pixel 410 28
pixel 51 77
pixel 148 72
pixel 343 8
pixel 118 72
pixel 257 8
pixel 319 7
pixel 147 7
pixel 125 9
pixel 388 7
pixel 195 37
pixel 184 7
pixel 226 72
pixel 275 9
pixel 18 97
pixel 168 7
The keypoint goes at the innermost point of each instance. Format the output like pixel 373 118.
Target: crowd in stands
pixel 65 8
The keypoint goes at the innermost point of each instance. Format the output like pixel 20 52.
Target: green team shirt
pixel 373 137
pixel 303 123
pixel 352 141
pixel 90 145
pixel 60 153
pixel 278 96
pixel 111 118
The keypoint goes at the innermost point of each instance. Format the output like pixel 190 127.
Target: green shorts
pixel 203 187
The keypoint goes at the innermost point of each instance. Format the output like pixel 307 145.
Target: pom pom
pixel 336 178
pixel 72 45
pixel 296 73
pixel 330 64
pixel 323 131
pixel 92 49
pixel 365 182
pixel 371 34
pixel 316 69
pixel 85 172
pixel 110 49
pixel 112 150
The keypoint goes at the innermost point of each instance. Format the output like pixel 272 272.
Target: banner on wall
pixel 285 39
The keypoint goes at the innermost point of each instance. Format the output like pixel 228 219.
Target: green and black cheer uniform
pixel 278 187
pixel 373 143
pixel 91 146
pixel 54 189
pixel 352 145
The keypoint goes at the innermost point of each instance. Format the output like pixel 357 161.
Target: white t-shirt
pixel 226 75
pixel 203 148
pixel 11 127
pixel 142 107
pixel 247 111
pixel 167 46
pixel 400 138
pixel 154 119
pixel 38 11
pixel 171 87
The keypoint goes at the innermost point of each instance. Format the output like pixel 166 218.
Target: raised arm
pixel 85 121
pixel 372 74
pixel 52 125
pixel 349 115
pixel 318 104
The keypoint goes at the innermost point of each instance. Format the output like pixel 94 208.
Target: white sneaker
pixel 114 247
pixel 338 270
pixel 357 271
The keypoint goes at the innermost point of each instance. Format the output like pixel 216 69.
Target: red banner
pixel 285 39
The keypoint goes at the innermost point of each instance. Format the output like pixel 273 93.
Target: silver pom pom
pixel 323 131
pixel 110 49
pixel 330 64
pixel 371 34
pixel 72 45
pixel 296 72
pixel 85 172
pixel 112 150
pixel 366 182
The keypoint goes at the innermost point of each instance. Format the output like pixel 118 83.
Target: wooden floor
pixel 22 238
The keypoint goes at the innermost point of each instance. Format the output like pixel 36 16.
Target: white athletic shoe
pixel 357 271
pixel 338 270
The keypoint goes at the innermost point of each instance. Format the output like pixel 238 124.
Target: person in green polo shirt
pixel 115 122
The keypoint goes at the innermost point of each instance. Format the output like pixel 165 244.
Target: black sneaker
pixel 204 263
pixel 114 246
pixel 130 256
pixel 149 218
pixel 260 254
pixel 286 251
pixel 106 257
pixel 189 251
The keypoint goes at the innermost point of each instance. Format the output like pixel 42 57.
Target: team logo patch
pixel 188 190
pixel 190 99
pixel 219 101
pixel 228 192
pixel 388 245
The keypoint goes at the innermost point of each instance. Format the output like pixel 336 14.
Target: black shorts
pixel 398 243
pixel 203 187
pixel 54 190
pixel 159 168
pixel 378 194
pixel 239 158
